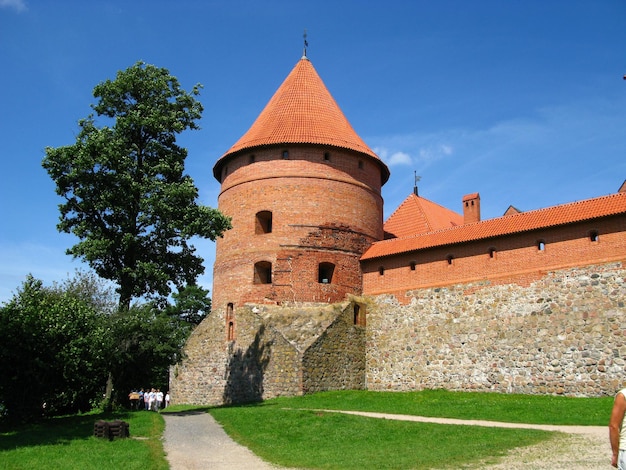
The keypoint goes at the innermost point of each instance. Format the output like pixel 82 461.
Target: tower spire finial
pixel 417 178
pixel 306 44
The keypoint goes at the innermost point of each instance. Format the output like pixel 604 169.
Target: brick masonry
pixel 326 208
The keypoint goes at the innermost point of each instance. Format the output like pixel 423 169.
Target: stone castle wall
pixel 275 351
pixel 259 363
pixel 560 333
pixel 336 360
pixel 564 333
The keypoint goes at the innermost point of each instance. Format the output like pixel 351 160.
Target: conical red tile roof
pixel 418 215
pixel 302 111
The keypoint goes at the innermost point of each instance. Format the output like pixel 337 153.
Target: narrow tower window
pixel 593 236
pixel 326 156
pixel 492 253
pixel 285 154
pixel 359 315
pixel 541 245
pixel 252 158
pixel 325 273
pixel 381 271
pixel 412 265
pixel 230 322
pixel 263 272
pixel 263 223
pixel 450 259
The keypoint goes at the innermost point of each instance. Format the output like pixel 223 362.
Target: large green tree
pixel 127 197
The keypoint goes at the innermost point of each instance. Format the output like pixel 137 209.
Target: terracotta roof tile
pixel 518 222
pixel 418 215
pixel 302 111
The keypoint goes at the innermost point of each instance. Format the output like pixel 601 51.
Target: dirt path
pixel 578 448
pixel 195 441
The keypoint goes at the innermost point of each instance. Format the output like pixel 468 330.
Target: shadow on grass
pixel 54 431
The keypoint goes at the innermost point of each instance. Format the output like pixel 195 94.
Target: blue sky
pixel 521 101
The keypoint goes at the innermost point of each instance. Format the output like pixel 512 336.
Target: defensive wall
pixel 264 351
pixel 562 333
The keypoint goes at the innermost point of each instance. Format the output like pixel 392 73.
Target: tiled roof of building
pixel 518 222
pixel 302 111
pixel 417 215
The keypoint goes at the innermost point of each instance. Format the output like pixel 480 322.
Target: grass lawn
pixel 68 443
pixel 319 440
pixel 535 409
pixel 292 432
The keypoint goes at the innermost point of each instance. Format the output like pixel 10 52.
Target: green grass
pixel 68 443
pixel 291 432
pixel 535 409
pixel 320 440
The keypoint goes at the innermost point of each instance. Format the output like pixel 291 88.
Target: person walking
pixel 152 400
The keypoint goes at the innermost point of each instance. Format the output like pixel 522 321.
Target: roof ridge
pixel 561 215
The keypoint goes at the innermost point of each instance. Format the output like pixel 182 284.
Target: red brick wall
pixel 323 210
pixel 516 258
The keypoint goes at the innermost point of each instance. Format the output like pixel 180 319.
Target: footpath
pixel 195 441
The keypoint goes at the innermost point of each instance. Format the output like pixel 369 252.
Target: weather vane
pixel 417 178
pixel 306 44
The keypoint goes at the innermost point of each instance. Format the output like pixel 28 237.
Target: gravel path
pixel 195 441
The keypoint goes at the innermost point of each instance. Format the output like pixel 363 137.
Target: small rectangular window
pixel 325 273
pixel 263 272
pixel 359 315
pixel 263 222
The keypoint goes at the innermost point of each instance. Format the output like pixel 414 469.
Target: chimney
pixel 471 208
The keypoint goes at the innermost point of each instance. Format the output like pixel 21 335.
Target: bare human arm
pixel 615 425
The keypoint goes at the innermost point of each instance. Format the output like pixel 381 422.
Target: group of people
pixel 150 400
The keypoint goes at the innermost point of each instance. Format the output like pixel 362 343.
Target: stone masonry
pixel 563 334
pixel 276 351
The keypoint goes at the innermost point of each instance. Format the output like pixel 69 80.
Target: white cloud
pixel 393 158
pixel 434 152
pixel 17 5
pixel 399 158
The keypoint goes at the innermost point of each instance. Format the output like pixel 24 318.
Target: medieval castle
pixel 312 291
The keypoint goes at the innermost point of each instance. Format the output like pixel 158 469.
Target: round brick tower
pixel 304 194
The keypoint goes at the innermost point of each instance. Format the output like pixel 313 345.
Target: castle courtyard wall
pixel 561 333
pixel 259 363
pixel 274 351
